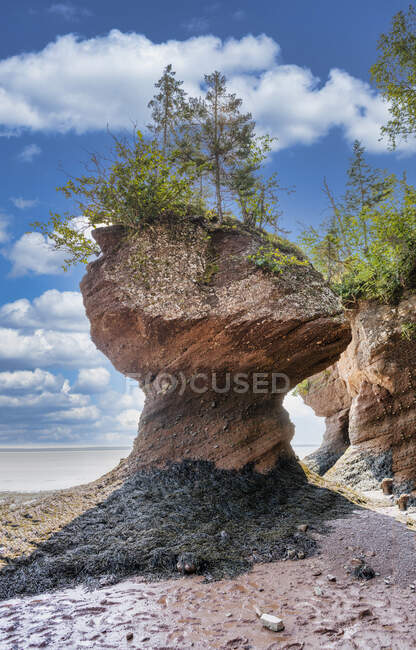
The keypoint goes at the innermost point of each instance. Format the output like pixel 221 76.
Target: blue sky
pixel 68 69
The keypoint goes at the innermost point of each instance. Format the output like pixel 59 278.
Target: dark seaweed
pixel 226 520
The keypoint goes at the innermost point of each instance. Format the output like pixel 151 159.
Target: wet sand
pixel 188 613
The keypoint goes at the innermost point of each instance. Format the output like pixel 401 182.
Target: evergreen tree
pixel 216 137
pixel 167 107
pixel 365 188
pixel 395 76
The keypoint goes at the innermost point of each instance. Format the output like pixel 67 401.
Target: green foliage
pixel 303 388
pixel 203 153
pixel 367 249
pixel 408 331
pixel 134 188
pixel 275 258
pixel 167 107
pixel 215 136
pixel 395 75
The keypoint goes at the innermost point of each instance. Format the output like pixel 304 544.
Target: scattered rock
pixel 387 485
pixel 402 501
pixel 188 563
pixel 364 613
pixel 291 553
pixel 331 578
pixel 301 555
pixel 272 623
pixel 316 572
pixel 129 636
pixel 303 528
pixel 364 572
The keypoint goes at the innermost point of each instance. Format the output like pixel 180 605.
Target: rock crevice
pixel 372 389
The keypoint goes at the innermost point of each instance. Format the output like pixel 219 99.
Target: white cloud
pixel 86 84
pixel 68 11
pixel 34 253
pixel 26 380
pixel 53 310
pixel 38 405
pixel 309 428
pixel 21 203
pixel 30 152
pixel 45 348
pixel 92 380
pixel 128 418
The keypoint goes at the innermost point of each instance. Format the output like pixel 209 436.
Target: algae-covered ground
pixel 222 521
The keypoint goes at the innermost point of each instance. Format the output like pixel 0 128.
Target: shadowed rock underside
pixel 373 387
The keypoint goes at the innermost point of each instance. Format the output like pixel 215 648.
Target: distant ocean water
pixel 33 470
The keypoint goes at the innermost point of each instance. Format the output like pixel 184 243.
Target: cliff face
pixel 183 310
pixel 327 394
pixel 373 387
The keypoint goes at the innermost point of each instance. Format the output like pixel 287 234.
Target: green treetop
pixel 395 75
pixel 166 107
pixel 367 247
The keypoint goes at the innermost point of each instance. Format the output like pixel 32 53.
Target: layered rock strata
pixel 214 340
pixel 373 388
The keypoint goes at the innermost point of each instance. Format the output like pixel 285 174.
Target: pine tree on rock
pixel 167 107
pixel 216 136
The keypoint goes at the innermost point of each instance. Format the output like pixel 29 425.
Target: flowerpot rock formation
pixel 369 399
pixel 214 340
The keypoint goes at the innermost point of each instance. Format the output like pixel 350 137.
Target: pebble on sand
pixel 272 623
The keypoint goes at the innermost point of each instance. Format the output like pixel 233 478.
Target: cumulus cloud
pixel 86 84
pixel 92 380
pixel 31 151
pixel 42 341
pixel 53 310
pixel 82 85
pixel 46 348
pixel 22 381
pixel 34 253
pixel 38 406
pixel 21 204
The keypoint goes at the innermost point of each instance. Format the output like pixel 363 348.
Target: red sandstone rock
pixel 378 373
pixel 184 300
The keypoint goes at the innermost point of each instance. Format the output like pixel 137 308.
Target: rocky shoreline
pixel 217 522
pixel 318 597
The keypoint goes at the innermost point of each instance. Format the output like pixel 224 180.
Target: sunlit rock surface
pixel 372 387
pixel 183 303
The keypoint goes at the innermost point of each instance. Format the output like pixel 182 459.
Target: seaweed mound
pixel 221 521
